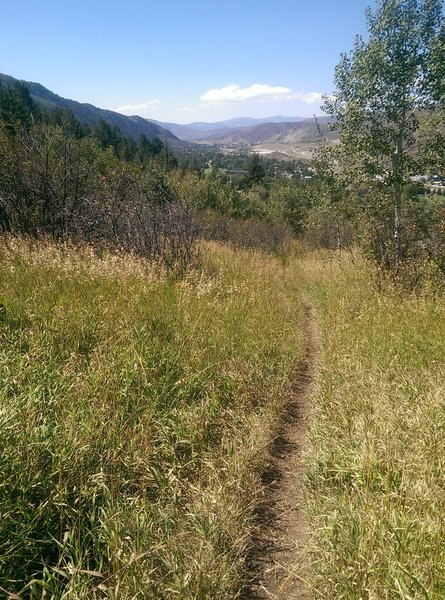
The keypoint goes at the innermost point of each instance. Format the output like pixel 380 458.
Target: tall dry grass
pixel 376 462
pixel 136 412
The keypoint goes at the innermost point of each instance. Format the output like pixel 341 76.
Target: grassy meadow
pixel 136 411
pixel 375 480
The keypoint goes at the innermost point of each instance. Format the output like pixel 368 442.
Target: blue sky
pixel 182 60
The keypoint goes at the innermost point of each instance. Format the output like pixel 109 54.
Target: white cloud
pixel 187 109
pixel 257 91
pixel 134 108
pixel 310 97
pixel 235 93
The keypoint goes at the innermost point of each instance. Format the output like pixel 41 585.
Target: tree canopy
pixel 384 88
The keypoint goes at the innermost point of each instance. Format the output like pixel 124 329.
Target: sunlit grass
pixel 136 411
pixel 376 462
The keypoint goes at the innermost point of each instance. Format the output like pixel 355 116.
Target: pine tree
pixel 16 106
pixel 255 170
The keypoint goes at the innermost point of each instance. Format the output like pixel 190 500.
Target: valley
pixel 288 138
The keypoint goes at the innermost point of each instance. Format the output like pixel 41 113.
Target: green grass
pixel 376 462
pixel 136 411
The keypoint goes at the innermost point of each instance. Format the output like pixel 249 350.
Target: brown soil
pixel 276 566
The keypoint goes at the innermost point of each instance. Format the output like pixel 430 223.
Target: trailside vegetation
pixel 375 480
pixel 389 91
pixel 136 414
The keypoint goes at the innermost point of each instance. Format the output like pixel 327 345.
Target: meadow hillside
pixel 136 413
pixel 375 461
pixel 222 374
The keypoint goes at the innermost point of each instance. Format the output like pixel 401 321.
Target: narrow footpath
pixel 276 564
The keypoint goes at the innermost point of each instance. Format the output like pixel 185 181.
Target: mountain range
pixel 304 131
pixel 201 130
pixel 276 129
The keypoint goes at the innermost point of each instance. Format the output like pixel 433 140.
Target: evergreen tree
pixel 156 146
pixel 255 170
pixel 167 158
pixel 16 106
pixel 23 106
pixel 148 149
pixel 63 117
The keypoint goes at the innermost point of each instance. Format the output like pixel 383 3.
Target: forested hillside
pixel 132 127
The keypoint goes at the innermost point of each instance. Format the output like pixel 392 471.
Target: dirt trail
pixel 276 564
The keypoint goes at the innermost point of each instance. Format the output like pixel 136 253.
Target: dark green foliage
pixel 149 148
pixel 107 136
pixel 125 148
pixel 16 107
pixel 63 117
pixel 255 170
pixel 168 160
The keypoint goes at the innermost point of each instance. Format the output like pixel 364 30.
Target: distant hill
pixel 87 113
pixel 201 130
pixel 303 131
